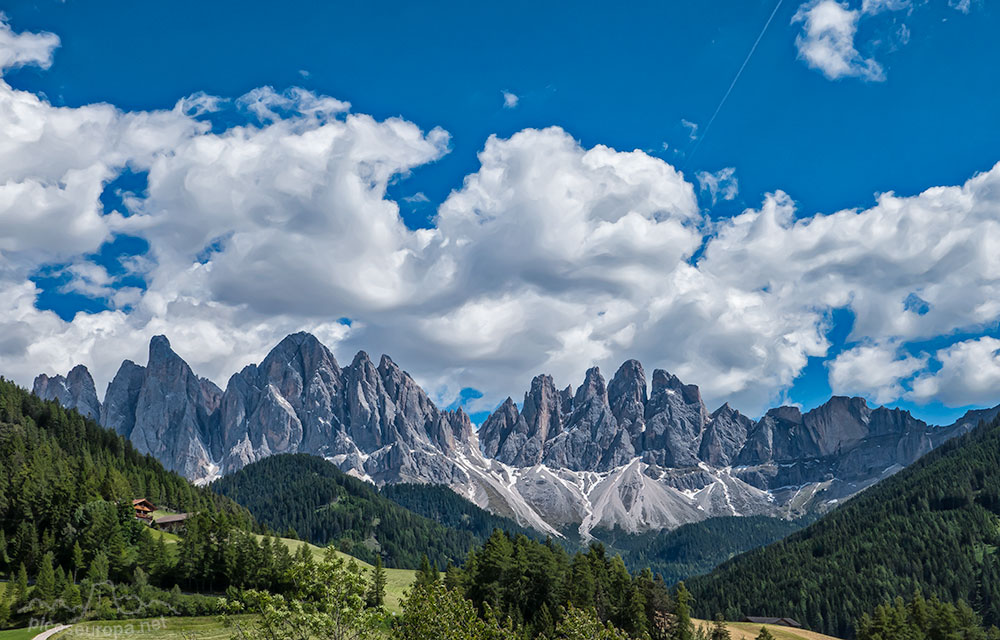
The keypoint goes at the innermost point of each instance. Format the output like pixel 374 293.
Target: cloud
pixel 21 49
pixel 969 374
pixel 873 7
pixel 960 5
pixel 692 128
pixel 876 371
pixel 417 198
pixel 510 100
pixel 826 42
pixel 720 185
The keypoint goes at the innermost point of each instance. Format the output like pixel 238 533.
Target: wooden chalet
pixel 173 523
pixel 784 622
pixel 143 509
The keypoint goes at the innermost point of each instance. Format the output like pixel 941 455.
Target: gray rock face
pixel 675 420
pixel 173 412
pixel 725 435
pixel 118 410
pixel 75 391
pixel 592 438
pixel 374 421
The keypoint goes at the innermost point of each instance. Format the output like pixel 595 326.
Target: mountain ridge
pixel 623 453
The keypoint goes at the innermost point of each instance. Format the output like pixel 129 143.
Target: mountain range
pixel 619 454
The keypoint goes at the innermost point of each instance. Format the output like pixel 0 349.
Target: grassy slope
pixel 397 580
pixel 749 631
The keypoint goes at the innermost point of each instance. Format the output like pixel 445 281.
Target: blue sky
pixel 624 79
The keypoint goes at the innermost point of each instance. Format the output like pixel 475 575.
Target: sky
pixel 487 192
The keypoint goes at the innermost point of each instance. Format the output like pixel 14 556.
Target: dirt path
pixel 48 633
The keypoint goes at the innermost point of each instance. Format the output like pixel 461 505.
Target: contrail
pixel 735 80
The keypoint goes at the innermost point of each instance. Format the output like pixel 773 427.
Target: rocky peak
pixel 165 409
pixel 591 438
pixel 461 425
pixel 675 420
pixel 724 436
pixel 566 399
pixel 541 409
pixel 665 382
pixel 627 398
pixel 75 391
pixel 593 389
pixel 499 428
pixel 118 410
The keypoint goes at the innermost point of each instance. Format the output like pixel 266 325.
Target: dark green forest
pixel 923 618
pixel 441 504
pixel 933 527
pixel 697 548
pixel 326 506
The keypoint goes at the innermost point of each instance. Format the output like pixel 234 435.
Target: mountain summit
pixel 605 455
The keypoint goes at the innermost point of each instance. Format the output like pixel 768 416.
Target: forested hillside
pixel 933 526
pixel 326 506
pixel 699 547
pixel 67 522
pixel 441 504
pixel 62 476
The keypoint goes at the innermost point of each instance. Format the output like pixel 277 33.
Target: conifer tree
pixel 375 596
pixel 719 629
pixel 427 574
pixel 98 571
pixel 684 629
pixel 78 564
pixel 4 558
pixel 71 596
pixel 21 590
pixel 764 634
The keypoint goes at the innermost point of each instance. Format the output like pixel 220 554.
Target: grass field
pixel 20 634
pixel 749 631
pixel 195 628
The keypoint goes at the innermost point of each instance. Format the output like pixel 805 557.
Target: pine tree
pixel 4 558
pixel 684 629
pixel 426 574
pixel 60 581
pixel 78 564
pixel 5 605
pixel 719 629
pixel 21 591
pixel 98 571
pixel 375 596
pixel 764 634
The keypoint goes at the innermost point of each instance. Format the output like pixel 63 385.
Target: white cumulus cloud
pixel 20 49
pixel 876 371
pixel 826 42
pixel 969 374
